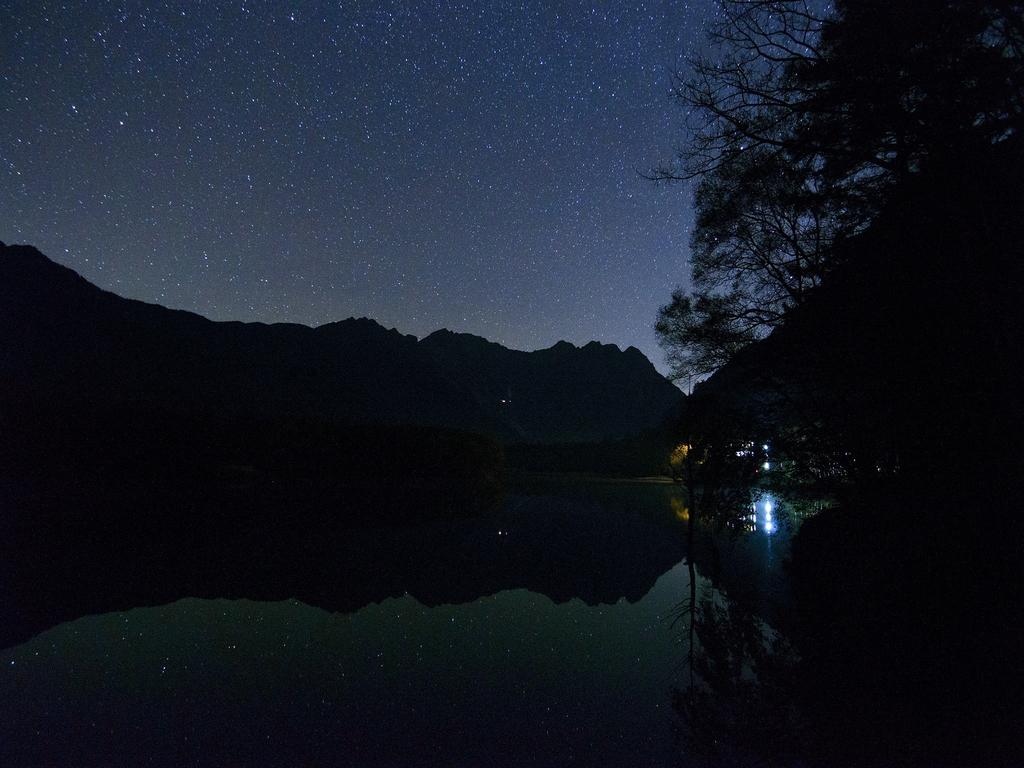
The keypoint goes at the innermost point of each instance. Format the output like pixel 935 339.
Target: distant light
pixel 767 465
pixel 768 507
pixel 765 446
pixel 769 527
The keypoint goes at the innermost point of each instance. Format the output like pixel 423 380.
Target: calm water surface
pixel 539 634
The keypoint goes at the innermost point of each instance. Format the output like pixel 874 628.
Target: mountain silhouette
pixel 64 340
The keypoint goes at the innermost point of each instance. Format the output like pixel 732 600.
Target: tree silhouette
pixel 802 124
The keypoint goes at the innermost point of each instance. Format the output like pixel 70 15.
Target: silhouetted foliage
pixel 804 123
pixel 893 381
pixel 898 387
pixel 184 466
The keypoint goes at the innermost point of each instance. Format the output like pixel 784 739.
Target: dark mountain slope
pixel 64 340
pixel 562 393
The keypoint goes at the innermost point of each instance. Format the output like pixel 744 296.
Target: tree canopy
pixel 801 124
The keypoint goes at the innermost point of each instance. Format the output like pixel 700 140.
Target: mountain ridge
pixel 23 250
pixel 68 338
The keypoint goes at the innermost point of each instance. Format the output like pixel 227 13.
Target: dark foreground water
pixel 539 634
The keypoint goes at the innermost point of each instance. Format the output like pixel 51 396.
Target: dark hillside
pixel 64 340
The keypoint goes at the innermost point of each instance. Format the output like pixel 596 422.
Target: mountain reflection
pixel 508 679
pixel 598 547
pixel 543 627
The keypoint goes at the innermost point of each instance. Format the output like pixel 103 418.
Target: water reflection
pixel 680 508
pixel 762 515
pixel 598 545
pixel 737 704
pixel 506 679
pixel 541 631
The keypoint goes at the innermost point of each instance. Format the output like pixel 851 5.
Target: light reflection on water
pixel 507 678
pixel 763 515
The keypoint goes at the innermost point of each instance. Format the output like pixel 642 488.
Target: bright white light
pixel 769 526
pixel 767 465
pixel 765 446
pixel 768 507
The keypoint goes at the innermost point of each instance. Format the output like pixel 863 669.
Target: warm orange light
pixel 679 454
pixel 679 508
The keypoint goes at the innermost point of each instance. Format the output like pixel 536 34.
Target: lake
pixel 540 633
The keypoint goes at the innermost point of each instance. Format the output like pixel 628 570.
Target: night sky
pixel 471 166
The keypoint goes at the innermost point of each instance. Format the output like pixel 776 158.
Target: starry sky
pixel 474 166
